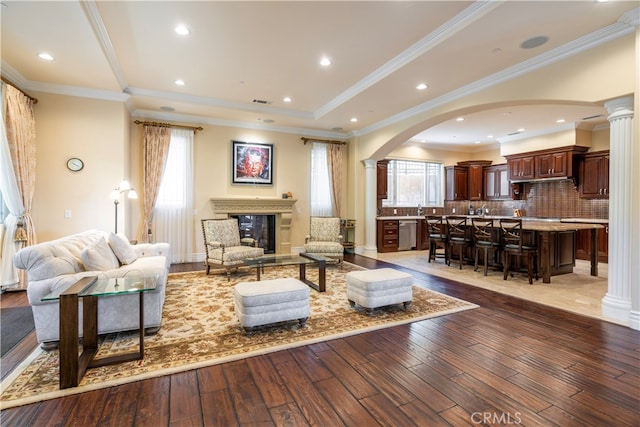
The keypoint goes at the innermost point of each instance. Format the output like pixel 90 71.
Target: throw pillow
pixel 122 248
pixel 99 257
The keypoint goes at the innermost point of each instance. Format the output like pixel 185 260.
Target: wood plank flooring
pixel 508 362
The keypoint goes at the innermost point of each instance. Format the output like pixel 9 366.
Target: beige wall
pixel 98 133
pixel 212 174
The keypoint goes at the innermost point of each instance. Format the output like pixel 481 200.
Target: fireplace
pixel 280 209
pixel 260 228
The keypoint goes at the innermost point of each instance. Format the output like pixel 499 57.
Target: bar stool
pixel 457 236
pixel 485 237
pixel 437 236
pixel 513 244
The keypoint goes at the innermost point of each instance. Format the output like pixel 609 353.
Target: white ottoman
pixel 270 301
pixel 380 287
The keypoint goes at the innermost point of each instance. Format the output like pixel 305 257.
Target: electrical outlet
pixel 453 210
pixel 67 213
pixel 434 211
pixel 395 211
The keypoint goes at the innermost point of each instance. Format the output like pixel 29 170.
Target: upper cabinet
pixel 521 168
pixel 381 178
pixel 560 162
pixel 551 165
pixel 496 182
pixel 475 180
pixel 594 175
pixel 456 183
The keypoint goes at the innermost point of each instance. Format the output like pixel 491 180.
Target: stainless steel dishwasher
pixel 407 234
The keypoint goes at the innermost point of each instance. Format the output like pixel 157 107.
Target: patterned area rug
pixel 200 328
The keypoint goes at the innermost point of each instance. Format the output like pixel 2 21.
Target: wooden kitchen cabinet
pixel 475 176
pixel 456 183
pixel 381 179
pixel 496 182
pixel 559 162
pixel 521 168
pixel 387 235
pixel 551 165
pixel 583 244
pixel 594 175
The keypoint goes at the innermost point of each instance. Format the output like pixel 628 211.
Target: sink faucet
pixel 419 209
pixel 483 209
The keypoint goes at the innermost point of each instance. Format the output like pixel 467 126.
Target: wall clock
pixel 74 164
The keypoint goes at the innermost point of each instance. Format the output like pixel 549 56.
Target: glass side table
pixel 90 289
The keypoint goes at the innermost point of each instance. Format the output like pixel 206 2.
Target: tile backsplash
pixel 545 199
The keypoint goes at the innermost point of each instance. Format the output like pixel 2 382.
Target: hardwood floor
pixel 508 362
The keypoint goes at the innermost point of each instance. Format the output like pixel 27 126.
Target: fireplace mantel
pixel 281 208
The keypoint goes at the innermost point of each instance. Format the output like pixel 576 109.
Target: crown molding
pixel 201 120
pixel 92 13
pixel 446 30
pixel 582 44
pixel 214 102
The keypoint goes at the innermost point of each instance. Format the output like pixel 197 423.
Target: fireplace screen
pixel 260 228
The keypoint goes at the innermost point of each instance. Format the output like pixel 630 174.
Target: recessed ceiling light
pixel 560 121
pixel 179 82
pixel 477 142
pixel 521 130
pixel 287 99
pixel 460 119
pixel 325 62
pixel 182 30
pixel 45 56
pixel 422 86
pixel 489 136
pixel 534 42
pixel 354 119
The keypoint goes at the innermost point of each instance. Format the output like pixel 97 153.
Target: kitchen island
pixel 555 238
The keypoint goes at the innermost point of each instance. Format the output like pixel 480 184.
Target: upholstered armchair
pixel 223 246
pixel 324 238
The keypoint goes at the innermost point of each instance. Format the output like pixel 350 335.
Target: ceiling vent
pixel 261 101
pixel 592 117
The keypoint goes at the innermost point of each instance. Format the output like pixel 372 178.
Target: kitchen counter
pixel 586 220
pixel 400 217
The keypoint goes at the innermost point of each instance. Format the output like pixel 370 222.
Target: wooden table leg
pixel 322 275
pixel 545 256
pixel 68 346
pixel 594 251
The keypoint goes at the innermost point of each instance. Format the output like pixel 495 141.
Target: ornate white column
pixel 370 206
pixel 624 271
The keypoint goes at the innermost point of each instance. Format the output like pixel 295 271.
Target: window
pixel 410 183
pixel 173 213
pixel 320 197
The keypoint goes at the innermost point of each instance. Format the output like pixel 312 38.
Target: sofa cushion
pixel 122 248
pixel 99 257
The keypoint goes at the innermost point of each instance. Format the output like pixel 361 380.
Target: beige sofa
pixel 60 263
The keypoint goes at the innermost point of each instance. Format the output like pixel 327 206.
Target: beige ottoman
pixel 271 301
pixel 379 288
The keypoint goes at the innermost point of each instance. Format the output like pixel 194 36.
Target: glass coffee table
pixel 301 260
pixel 90 289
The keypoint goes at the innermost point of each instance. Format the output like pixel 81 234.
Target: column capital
pixel 370 163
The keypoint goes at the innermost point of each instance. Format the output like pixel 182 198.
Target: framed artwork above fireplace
pixel 252 163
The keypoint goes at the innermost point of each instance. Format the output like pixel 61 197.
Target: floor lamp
pixel 124 187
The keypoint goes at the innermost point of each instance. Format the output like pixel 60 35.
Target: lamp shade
pixel 132 194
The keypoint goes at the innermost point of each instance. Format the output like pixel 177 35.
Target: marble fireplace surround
pixel 281 208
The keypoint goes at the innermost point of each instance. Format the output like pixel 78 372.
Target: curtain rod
pixel 323 141
pixel 168 125
pixel 9 82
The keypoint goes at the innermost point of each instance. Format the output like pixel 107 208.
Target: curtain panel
pixel 335 160
pixel 156 148
pixel 18 178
